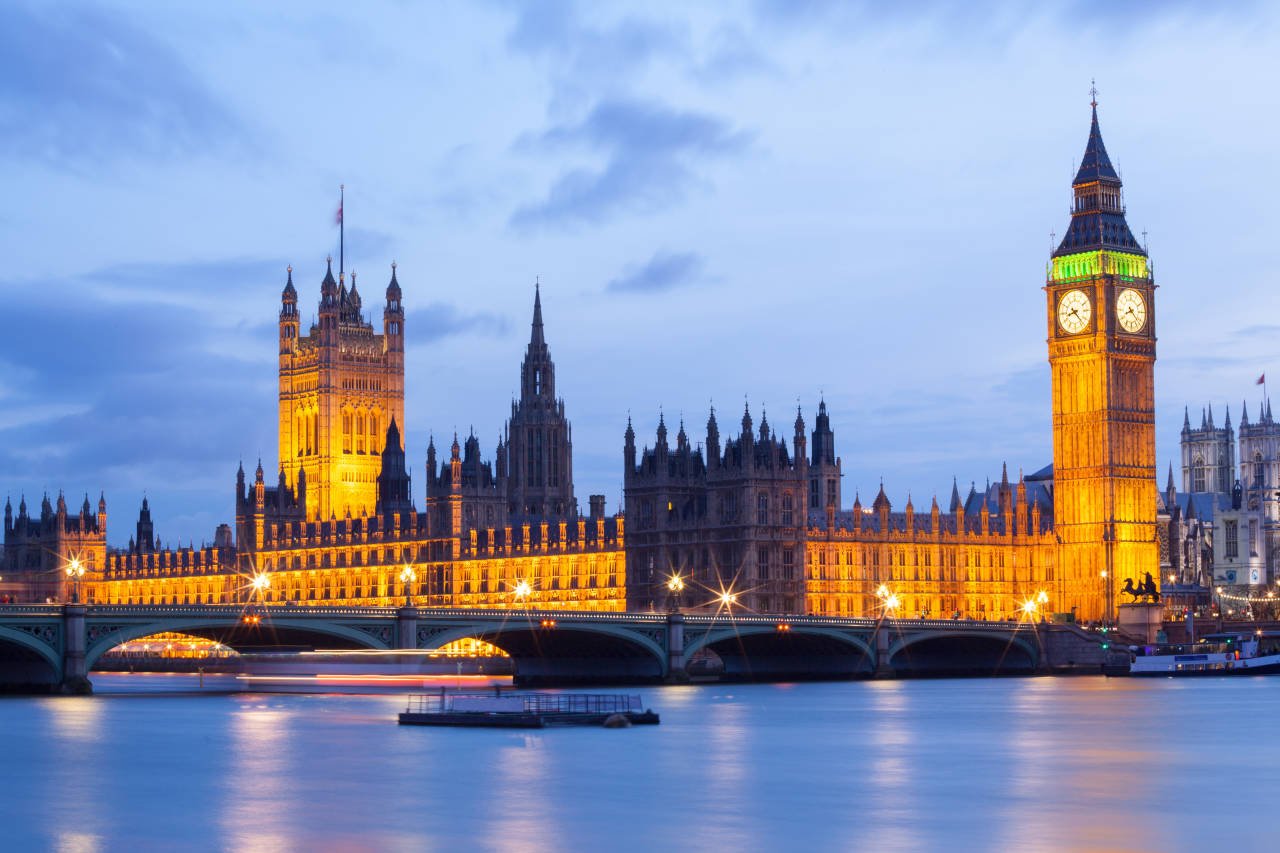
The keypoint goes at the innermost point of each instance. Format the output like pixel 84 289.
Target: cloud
pixel 649 152
pixel 438 320
pixel 664 271
pixel 586 51
pixel 78 85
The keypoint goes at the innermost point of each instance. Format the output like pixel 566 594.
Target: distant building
pixel 1224 531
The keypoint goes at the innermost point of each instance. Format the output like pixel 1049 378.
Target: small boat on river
pixel 526 710
pixel 1257 653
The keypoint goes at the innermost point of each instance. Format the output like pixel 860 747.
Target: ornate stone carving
pixel 378 632
pixel 47 634
pixel 425 635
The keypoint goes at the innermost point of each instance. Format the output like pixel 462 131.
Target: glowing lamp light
pixel 408 575
pixel 1029 607
pixel 261 581
pixel 74 568
pixel 1042 597
pixel 892 602
pixel 728 598
pixel 522 590
pixel 882 592
pixel 676 583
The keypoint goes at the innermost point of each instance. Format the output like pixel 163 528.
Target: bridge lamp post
pixel 675 586
pixel 891 603
pixel 728 599
pixel 407 577
pixel 522 591
pixel 75 571
pixel 260 584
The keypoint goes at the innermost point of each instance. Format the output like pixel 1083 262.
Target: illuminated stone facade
pixel 754 521
pixel 1100 307
pixel 340 387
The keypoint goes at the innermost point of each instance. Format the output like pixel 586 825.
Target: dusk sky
pixel 772 199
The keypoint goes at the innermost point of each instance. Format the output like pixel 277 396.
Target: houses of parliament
pixel 753 518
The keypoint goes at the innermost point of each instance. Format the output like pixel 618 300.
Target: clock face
pixel 1074 311
pixel 1131 310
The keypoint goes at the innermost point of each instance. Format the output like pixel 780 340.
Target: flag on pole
pixel 1262 380
pixel 337 219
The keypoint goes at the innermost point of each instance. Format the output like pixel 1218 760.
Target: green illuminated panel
pixel 1085 264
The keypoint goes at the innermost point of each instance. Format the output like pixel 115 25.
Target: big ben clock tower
pixel 1102 352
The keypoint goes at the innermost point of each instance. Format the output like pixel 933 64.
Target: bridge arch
pixel 964 652
pixel 569 652
pixel 802 652
pixel 233 632
pixel 28 662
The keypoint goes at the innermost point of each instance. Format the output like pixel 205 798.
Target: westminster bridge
pixel 55 646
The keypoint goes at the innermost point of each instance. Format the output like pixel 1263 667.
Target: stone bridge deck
pixel 51 646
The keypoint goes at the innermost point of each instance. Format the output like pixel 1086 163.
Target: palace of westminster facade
pixel 755 520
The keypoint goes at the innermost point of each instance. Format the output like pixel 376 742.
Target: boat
pixel 526 710
pixel 1256 653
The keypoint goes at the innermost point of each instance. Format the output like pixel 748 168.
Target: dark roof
pixel 1093 227
pixel 1095 165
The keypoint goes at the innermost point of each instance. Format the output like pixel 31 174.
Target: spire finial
pixel 1093 93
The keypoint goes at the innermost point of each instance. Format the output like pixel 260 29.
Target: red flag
pixel 1262 380
pixel 338 219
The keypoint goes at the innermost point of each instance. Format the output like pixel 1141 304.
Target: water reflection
pixel 893 823
pixel 74 805
pixel 1044 763
pixel 524 813
pixel 259 805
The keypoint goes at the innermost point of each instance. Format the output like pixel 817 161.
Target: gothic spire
pixel 1097 214
pixel 536 338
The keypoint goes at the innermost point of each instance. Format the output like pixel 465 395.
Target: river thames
pixel 1081 763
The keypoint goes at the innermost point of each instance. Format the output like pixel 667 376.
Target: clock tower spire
pixel 1102 351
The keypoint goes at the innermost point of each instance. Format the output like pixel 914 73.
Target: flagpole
pixel 342 226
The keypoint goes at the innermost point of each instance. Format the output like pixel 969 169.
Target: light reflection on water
pixel 1044 763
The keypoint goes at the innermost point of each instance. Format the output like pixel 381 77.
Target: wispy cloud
pixel 439 320
pixel 663 271
pixel 585 50
pixel 649 151
pixel 79 85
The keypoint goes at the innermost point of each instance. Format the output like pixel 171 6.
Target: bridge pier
pixel 407 627
pixel 676 673
pixel 75 673
pixel 883 669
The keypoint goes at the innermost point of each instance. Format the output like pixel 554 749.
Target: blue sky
pixel 773 199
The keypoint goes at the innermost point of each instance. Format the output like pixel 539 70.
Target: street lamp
pixel 75 571
pixel 260 584
pixel 675 586
pixel 522 590
pixel 407 577
pixel 1106 595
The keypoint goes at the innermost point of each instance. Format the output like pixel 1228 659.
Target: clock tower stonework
pixel 1102 351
